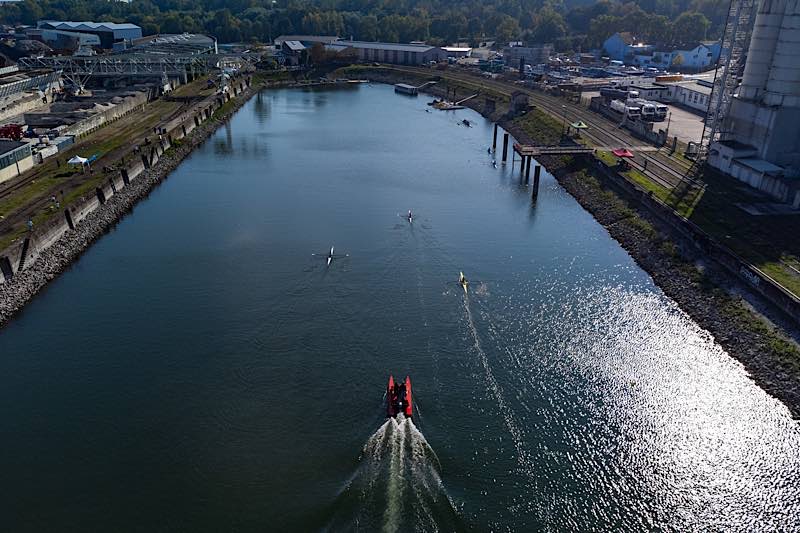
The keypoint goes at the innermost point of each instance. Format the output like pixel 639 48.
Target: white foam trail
pixel 496 390
pixel 394 492
pixel 398 480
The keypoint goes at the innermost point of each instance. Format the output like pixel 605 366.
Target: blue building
pixel 622 46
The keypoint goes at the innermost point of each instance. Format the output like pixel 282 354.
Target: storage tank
pixel 783 84
pixel 619 106
pixel 763 42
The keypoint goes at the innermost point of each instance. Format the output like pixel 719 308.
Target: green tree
pixel 507 30
pixel 172 24
pixel 317 54
pixel 690 26
pixel 368 28
pixel 549 26
pixel 30 12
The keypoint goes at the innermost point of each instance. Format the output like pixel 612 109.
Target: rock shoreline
pixel 18 291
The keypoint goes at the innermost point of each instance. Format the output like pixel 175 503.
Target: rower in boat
pixel 462 280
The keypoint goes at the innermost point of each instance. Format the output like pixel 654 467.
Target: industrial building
pixel 15 158
pixel 397 53
pixel 759 139
pixel 307 40
pixel 694 94
pixel 108 32
pixel 64 42
pixel 176 58
pixel 457 51
pixel 531 55
pixel 401 54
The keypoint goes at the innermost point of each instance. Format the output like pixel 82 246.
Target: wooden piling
pixel 536 172
pixel 505 147
pixel 494 139
pixel 528 170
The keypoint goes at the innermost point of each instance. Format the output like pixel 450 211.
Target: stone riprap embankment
pixel 62 252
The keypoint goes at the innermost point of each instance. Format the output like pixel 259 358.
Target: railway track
pixel 665 170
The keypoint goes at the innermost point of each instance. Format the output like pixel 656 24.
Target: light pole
pixel 564 129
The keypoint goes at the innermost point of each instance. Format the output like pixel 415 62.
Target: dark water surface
pixel 199 370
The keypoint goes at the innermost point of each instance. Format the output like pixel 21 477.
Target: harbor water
pixel 200 369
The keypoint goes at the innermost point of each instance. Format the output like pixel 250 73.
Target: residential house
pixel 622 46
pixel 698 58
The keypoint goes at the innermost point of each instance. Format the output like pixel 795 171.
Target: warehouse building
pixel 108 32
pixel 15 158
pixel 64 42
pixel 399 54
pixel 531 55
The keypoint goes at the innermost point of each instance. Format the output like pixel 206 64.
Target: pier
pixel 412 90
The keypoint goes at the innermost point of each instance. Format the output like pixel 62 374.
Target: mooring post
pixel 505 147
pixel 536 172
pixel 494 139
pixel 528 170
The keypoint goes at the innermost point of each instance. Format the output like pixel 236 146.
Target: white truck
pixel 632 112
pixel 651 111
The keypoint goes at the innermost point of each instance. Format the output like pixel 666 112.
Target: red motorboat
pixel 398 398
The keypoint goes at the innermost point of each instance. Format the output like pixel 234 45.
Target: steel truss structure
pixel 730 66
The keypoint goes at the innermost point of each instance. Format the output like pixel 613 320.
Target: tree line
pixel 570 24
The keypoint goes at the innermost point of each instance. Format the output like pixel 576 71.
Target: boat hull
pixel 399 398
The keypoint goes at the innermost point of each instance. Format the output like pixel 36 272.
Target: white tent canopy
pixel 78 160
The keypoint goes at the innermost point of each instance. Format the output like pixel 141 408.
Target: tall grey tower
pixel 760 135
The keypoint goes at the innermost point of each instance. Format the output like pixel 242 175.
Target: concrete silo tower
pixel 759 139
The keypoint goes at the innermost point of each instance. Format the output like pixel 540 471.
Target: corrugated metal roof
pixel 759 165
pixel 306 38
pixel 110 26
pixel 7 146
pixel 388 46
pixel 295 46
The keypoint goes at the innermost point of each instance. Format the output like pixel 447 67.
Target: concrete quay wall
pixel 152 162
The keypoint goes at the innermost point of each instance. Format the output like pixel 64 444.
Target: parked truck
pixel 651 111
pixel 630 111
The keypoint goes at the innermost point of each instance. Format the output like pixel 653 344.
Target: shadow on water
pixel 396 486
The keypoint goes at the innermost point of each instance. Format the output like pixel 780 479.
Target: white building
pixel 15 158
pixel 693 94
pixel 701 57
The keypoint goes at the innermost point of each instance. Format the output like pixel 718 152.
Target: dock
pixel 528 150
pixel 404 88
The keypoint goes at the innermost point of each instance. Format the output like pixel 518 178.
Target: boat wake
pixel 496 391
pixel 396 486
